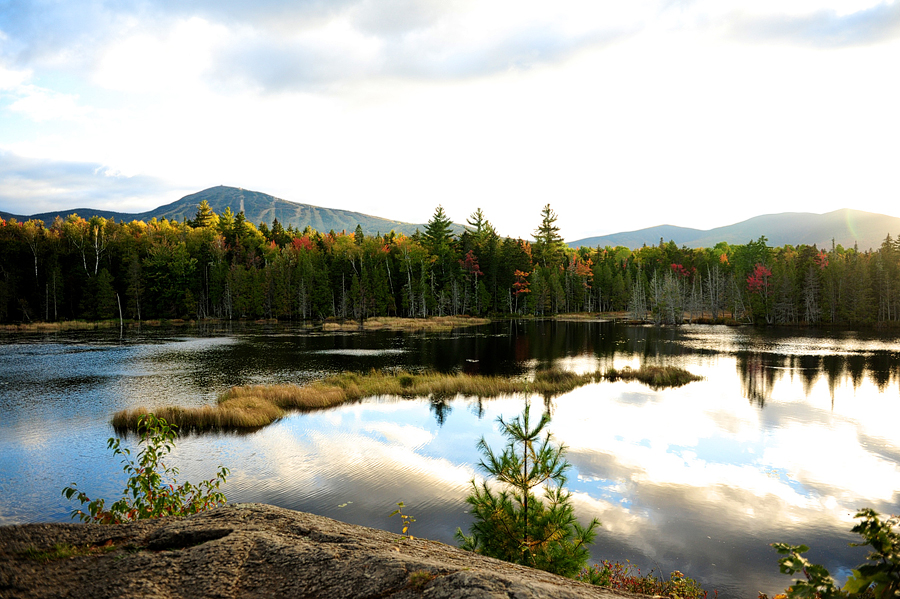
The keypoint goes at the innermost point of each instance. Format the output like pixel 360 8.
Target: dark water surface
pixel 788 435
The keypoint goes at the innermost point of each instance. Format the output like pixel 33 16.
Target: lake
pixel 789 433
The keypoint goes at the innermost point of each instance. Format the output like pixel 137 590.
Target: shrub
pixel 151 490
pixel 878 578
pixel 628 578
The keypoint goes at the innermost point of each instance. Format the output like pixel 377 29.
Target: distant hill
pixel 846 227
pixel 258 207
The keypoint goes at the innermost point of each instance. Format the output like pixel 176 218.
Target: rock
pixel 254 550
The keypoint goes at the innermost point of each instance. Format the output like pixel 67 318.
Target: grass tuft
pixel 656 377
pixel 64 551
pixel 419 579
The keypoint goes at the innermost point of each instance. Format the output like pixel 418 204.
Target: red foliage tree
pixel 758 280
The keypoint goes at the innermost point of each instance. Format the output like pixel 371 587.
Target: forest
pixel 220 266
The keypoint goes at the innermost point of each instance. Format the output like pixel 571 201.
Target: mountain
pixel 846 227
pixel 258 207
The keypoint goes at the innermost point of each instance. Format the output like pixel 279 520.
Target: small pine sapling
pixel 514 523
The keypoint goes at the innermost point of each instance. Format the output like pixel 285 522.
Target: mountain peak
pixel 257 207
pixel 845 226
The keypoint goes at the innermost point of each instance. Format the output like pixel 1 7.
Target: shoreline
pixel 438 324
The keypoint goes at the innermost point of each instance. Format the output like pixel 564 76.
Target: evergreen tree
pixel 438 240
pixel 478 223
pixel 279 235
pixel 438 231
pixel 516 525
pixel 104 296
pixel 205 216
pixel 548 243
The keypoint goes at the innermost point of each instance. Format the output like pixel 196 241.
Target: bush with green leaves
pixel 878 578
pixel 513 523
pixel 627 577
pixel 151 490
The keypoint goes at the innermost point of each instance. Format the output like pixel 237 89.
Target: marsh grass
pixel 655 377
pixel 386 323
pixel 255 406
pixel 431 324
pixel 90 325
pixel 67 325
pixel 581 317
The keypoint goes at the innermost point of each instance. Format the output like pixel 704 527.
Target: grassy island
pixel 437 324
pixel 254 406
pixel 655 377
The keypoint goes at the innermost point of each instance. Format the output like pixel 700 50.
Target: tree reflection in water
pixel 758 376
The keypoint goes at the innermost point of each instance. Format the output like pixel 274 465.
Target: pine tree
pixel 548 243
pixel 438 239
pixel 480 226
pixel 514 524
pixel 205 217
pixel 438 231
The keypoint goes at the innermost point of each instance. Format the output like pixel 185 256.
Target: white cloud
pixel 11 79
pixel 31 186
pixel 172 63
pixel 43 105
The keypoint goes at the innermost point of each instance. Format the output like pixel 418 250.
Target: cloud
pixel 31 186
pixel 51 34
pixel 273 15
pixel 41 104
pixel 277 46
pixel 824 28
pixel 11 79
pixel 340 54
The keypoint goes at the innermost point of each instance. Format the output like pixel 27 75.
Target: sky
pixel 620 115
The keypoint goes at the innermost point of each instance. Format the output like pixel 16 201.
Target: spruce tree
pixel 205 217
pixel 438 239
pixel 512 523
pixel 548 243
pixel 438 231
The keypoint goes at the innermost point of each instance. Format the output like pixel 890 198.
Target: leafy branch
pixel 152 490
pixel 878 578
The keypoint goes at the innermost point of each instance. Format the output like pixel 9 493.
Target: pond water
pixel 786 437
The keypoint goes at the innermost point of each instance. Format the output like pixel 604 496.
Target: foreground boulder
pixel 254 550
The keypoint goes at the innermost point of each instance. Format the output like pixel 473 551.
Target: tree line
pixel 221 266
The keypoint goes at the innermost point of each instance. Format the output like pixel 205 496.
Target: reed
pixel 655 377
